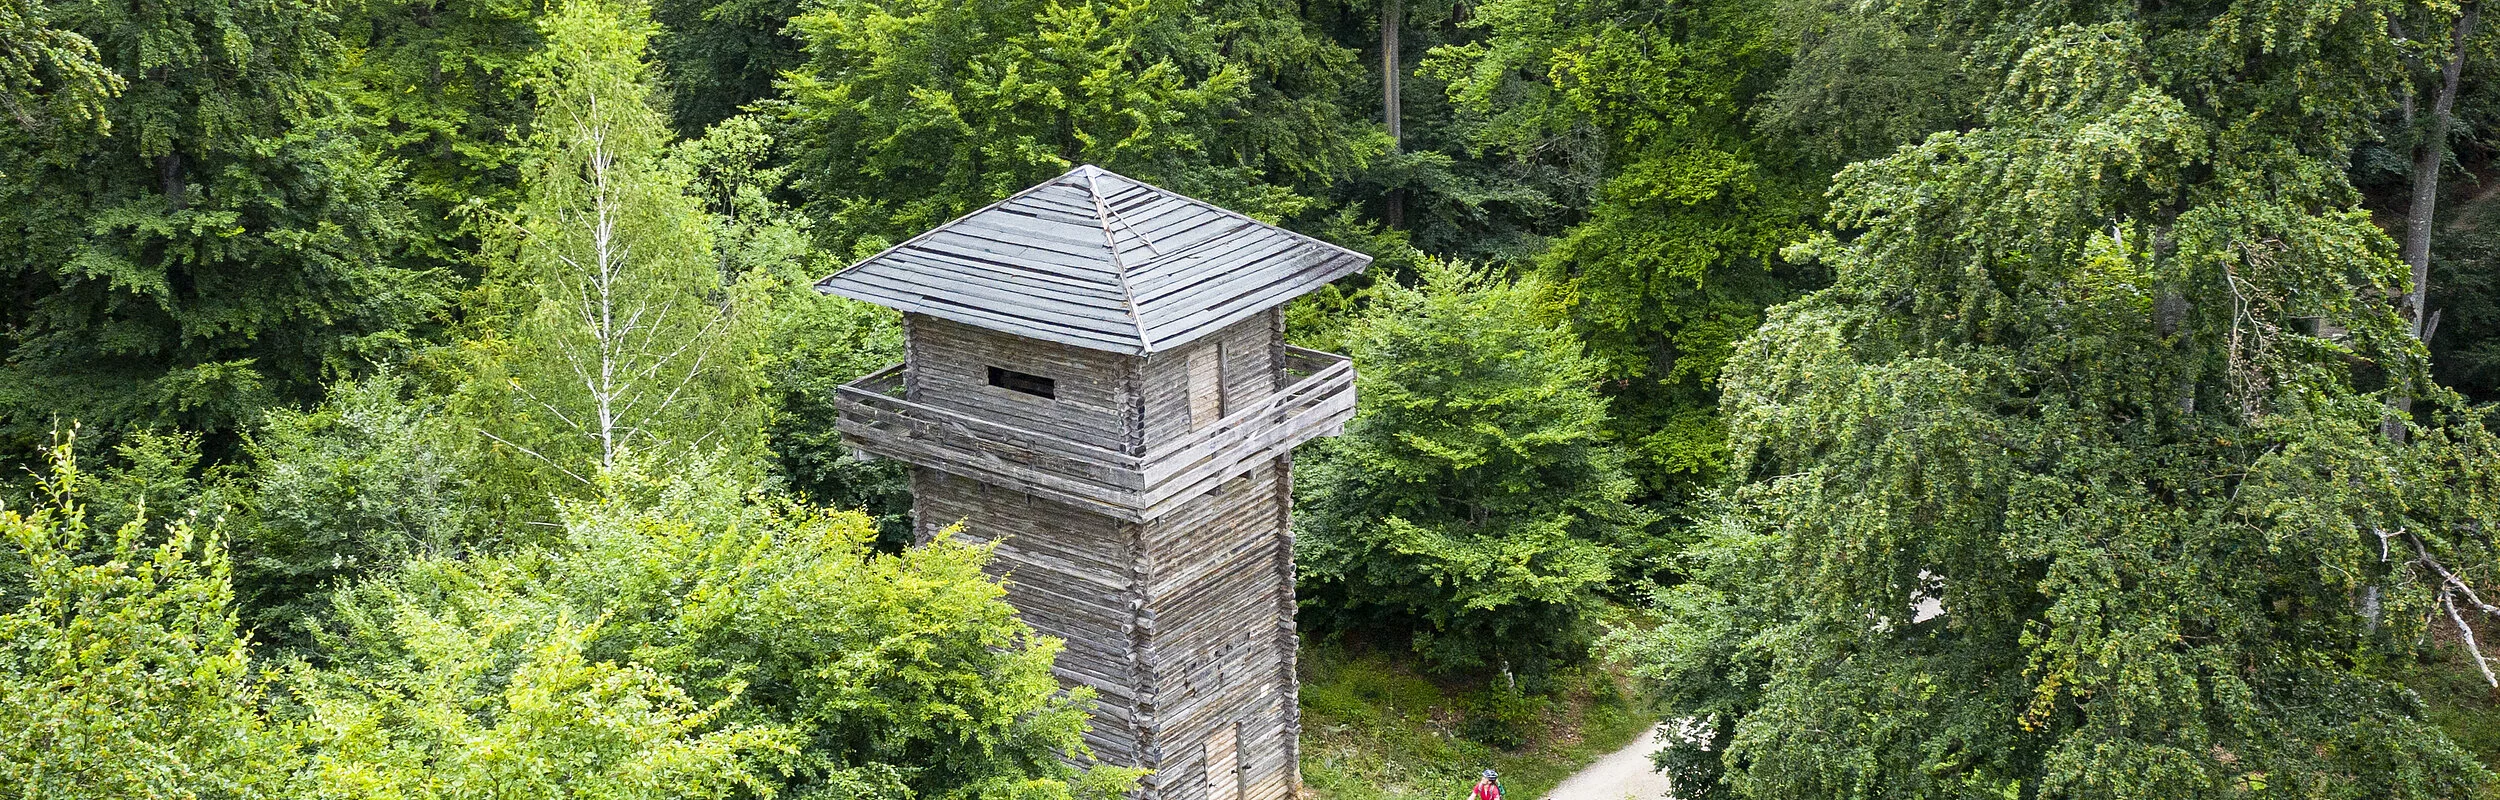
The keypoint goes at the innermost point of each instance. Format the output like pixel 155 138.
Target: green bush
pixel 836 670
pixel 681 638
pixel 349 489
pixel 1474 503
pixel 1503 717
pixel 122 672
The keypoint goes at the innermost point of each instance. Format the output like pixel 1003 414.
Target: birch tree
pixel 619 333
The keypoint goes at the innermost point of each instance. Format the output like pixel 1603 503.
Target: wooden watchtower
pixel 1095 376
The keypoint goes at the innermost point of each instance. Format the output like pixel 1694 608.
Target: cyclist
pixel 1488 787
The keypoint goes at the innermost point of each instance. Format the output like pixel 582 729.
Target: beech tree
pixel 122 671
pixel 48 75
pixel 681 637
pixel 480 688
pixel 352 488
pixel 2098 379
pixel 911 112
pixel 787 657
pixel 1475 502
pixel 1675 252
pixel 2434 77
pixel 221 244
pixel 441 86
pixel 718 56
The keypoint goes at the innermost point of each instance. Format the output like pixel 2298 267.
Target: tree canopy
pixel 1475 500
pixel 217 245
pixel 2103 380
pixel 2091 398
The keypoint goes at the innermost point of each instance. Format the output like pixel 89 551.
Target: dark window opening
pixel 1014 381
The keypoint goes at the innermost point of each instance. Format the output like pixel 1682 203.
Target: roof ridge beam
pixel 1119 268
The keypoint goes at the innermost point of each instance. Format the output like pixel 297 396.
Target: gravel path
pixel 1621 774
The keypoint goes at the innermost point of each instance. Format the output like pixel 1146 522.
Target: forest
pixel 429 399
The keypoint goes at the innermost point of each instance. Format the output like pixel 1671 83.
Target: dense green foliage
pixel 439 85
pixel 719 56
pixel 1677 251
pixel 449 574
pixel 1475 499
pixel 451 366
pixel 810 343
pixel 911 112
pixel 122 672
pixel 353 487
pixel 2086 378
pixel 224 245
pixel 2465 294
pixel 820 670
pixel 683 639
pixel 614 330
pixel 48 76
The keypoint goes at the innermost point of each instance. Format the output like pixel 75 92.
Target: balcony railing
pixel 1316 401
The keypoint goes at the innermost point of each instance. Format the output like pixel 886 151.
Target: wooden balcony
pixel 1316 401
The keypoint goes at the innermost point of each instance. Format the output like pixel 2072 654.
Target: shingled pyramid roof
pixel 1097 260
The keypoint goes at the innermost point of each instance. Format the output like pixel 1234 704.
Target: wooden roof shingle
pixel 1095 259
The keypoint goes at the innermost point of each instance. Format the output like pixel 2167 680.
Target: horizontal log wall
pixel 1096 399
pixel 1182 624
pixel 1214 596
pixel 876 420
pixel 1249 375
pixel 1070 574
pixel 1314 404
pixel 1206 646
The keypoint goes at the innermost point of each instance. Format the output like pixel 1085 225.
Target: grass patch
pixel 1375 729
pixel 2460 702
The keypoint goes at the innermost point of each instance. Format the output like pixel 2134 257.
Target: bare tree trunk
pixel 1390 14
pixel 169 175
pixel 2428 157
pixel 2421 209
pixel 1391 17
pixel 603 327
pixel 2430 154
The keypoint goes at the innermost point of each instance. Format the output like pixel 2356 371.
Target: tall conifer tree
pixel 1674 252
pixel 48 75
pixel 440 85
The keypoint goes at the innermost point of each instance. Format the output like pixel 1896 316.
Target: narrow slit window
pixel 1014 381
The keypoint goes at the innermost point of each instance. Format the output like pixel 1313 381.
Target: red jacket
pixel 1486 790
